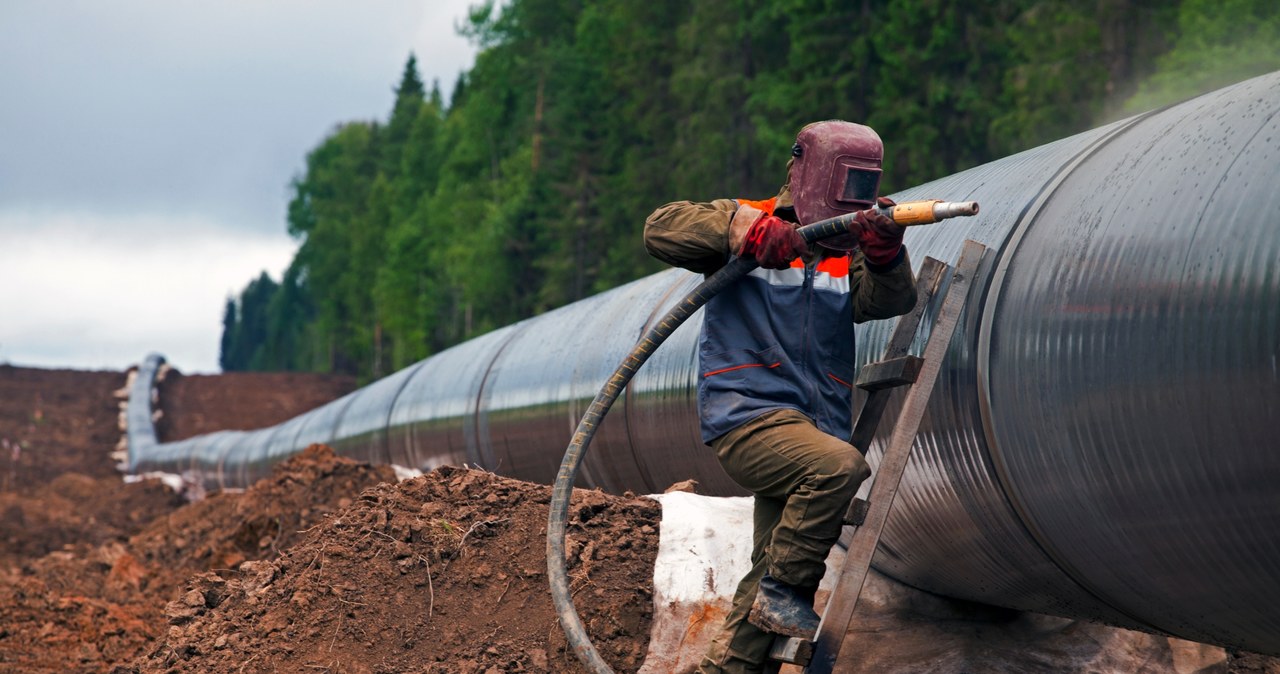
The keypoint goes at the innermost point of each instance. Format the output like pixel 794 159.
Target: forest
pixel 528 187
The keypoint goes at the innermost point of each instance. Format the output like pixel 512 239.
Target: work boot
pixel 784 609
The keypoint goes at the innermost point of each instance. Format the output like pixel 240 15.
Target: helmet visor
pixel 854 188
pixel 860 185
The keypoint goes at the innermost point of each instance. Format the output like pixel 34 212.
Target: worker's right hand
pixel 773 242
pixel 879 237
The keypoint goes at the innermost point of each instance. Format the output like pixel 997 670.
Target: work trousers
pixel 803 480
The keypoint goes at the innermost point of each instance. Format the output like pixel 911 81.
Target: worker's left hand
pixel 879 237
pixel 773 242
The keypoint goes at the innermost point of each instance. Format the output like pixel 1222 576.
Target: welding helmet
pixel 835 169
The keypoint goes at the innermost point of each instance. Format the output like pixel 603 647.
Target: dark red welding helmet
pixel 835 170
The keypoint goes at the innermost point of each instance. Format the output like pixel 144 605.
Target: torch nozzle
pixel 929 211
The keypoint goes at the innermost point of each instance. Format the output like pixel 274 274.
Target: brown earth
pixel 445 572
pixel 58 486
pixel 328 564
pixel 241 401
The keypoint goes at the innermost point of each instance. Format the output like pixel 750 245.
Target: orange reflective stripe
pixel 835 266
pixel 847 384
pixel 739 367
pixel 767 205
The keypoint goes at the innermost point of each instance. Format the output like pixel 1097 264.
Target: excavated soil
pixel 445 572
pixel 240 401
pixel 326 565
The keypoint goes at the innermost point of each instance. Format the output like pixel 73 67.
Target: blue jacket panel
pixel 779 339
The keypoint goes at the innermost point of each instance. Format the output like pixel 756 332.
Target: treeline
pixel 526 190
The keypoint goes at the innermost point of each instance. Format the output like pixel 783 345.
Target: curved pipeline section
pixel 140 430
pixel 1102 443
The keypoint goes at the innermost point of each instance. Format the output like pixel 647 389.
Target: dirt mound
pixel 226 529
pixel 75 509
pixel 93 607
pixel 445 572
pixel 58 486
pixel 199 404
pixel 74 596
pixel 76 610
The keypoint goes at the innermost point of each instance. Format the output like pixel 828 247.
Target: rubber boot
pixel 784 609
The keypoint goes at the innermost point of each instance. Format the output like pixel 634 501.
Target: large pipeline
pixel 1104 440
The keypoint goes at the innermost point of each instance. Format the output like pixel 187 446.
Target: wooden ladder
pixel 897 368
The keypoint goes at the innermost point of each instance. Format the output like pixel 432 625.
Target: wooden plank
pixel 857 512
pixel 890 373
pixel 791 651
pixel 857 563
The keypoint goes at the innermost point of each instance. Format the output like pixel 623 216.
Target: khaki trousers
pixel 803 480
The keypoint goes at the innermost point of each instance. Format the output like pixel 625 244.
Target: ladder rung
pixel 791 650
pixel 857 512
pixel 889 373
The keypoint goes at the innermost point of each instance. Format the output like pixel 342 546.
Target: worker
pixel 776 365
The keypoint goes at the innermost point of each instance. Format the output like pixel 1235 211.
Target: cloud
pixel 84 291
pixel 146 147
pixel 155 105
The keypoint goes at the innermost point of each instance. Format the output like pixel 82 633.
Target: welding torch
pixel 907 214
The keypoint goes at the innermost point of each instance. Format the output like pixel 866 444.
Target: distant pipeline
pixel 1104 440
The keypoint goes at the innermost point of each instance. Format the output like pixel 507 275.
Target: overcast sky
pixel 146 148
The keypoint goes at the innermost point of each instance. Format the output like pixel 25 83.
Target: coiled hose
pixel 575 632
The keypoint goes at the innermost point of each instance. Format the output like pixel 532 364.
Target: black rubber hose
pixel 574 631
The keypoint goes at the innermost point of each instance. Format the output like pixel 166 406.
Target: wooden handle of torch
pixel 929 211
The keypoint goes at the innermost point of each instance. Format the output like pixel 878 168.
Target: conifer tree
pixel 226 360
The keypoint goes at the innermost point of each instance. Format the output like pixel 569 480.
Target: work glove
pixel 773 242
pixel 879 237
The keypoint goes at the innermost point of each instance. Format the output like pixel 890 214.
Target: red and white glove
pixel 879 237
pixel 773 242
